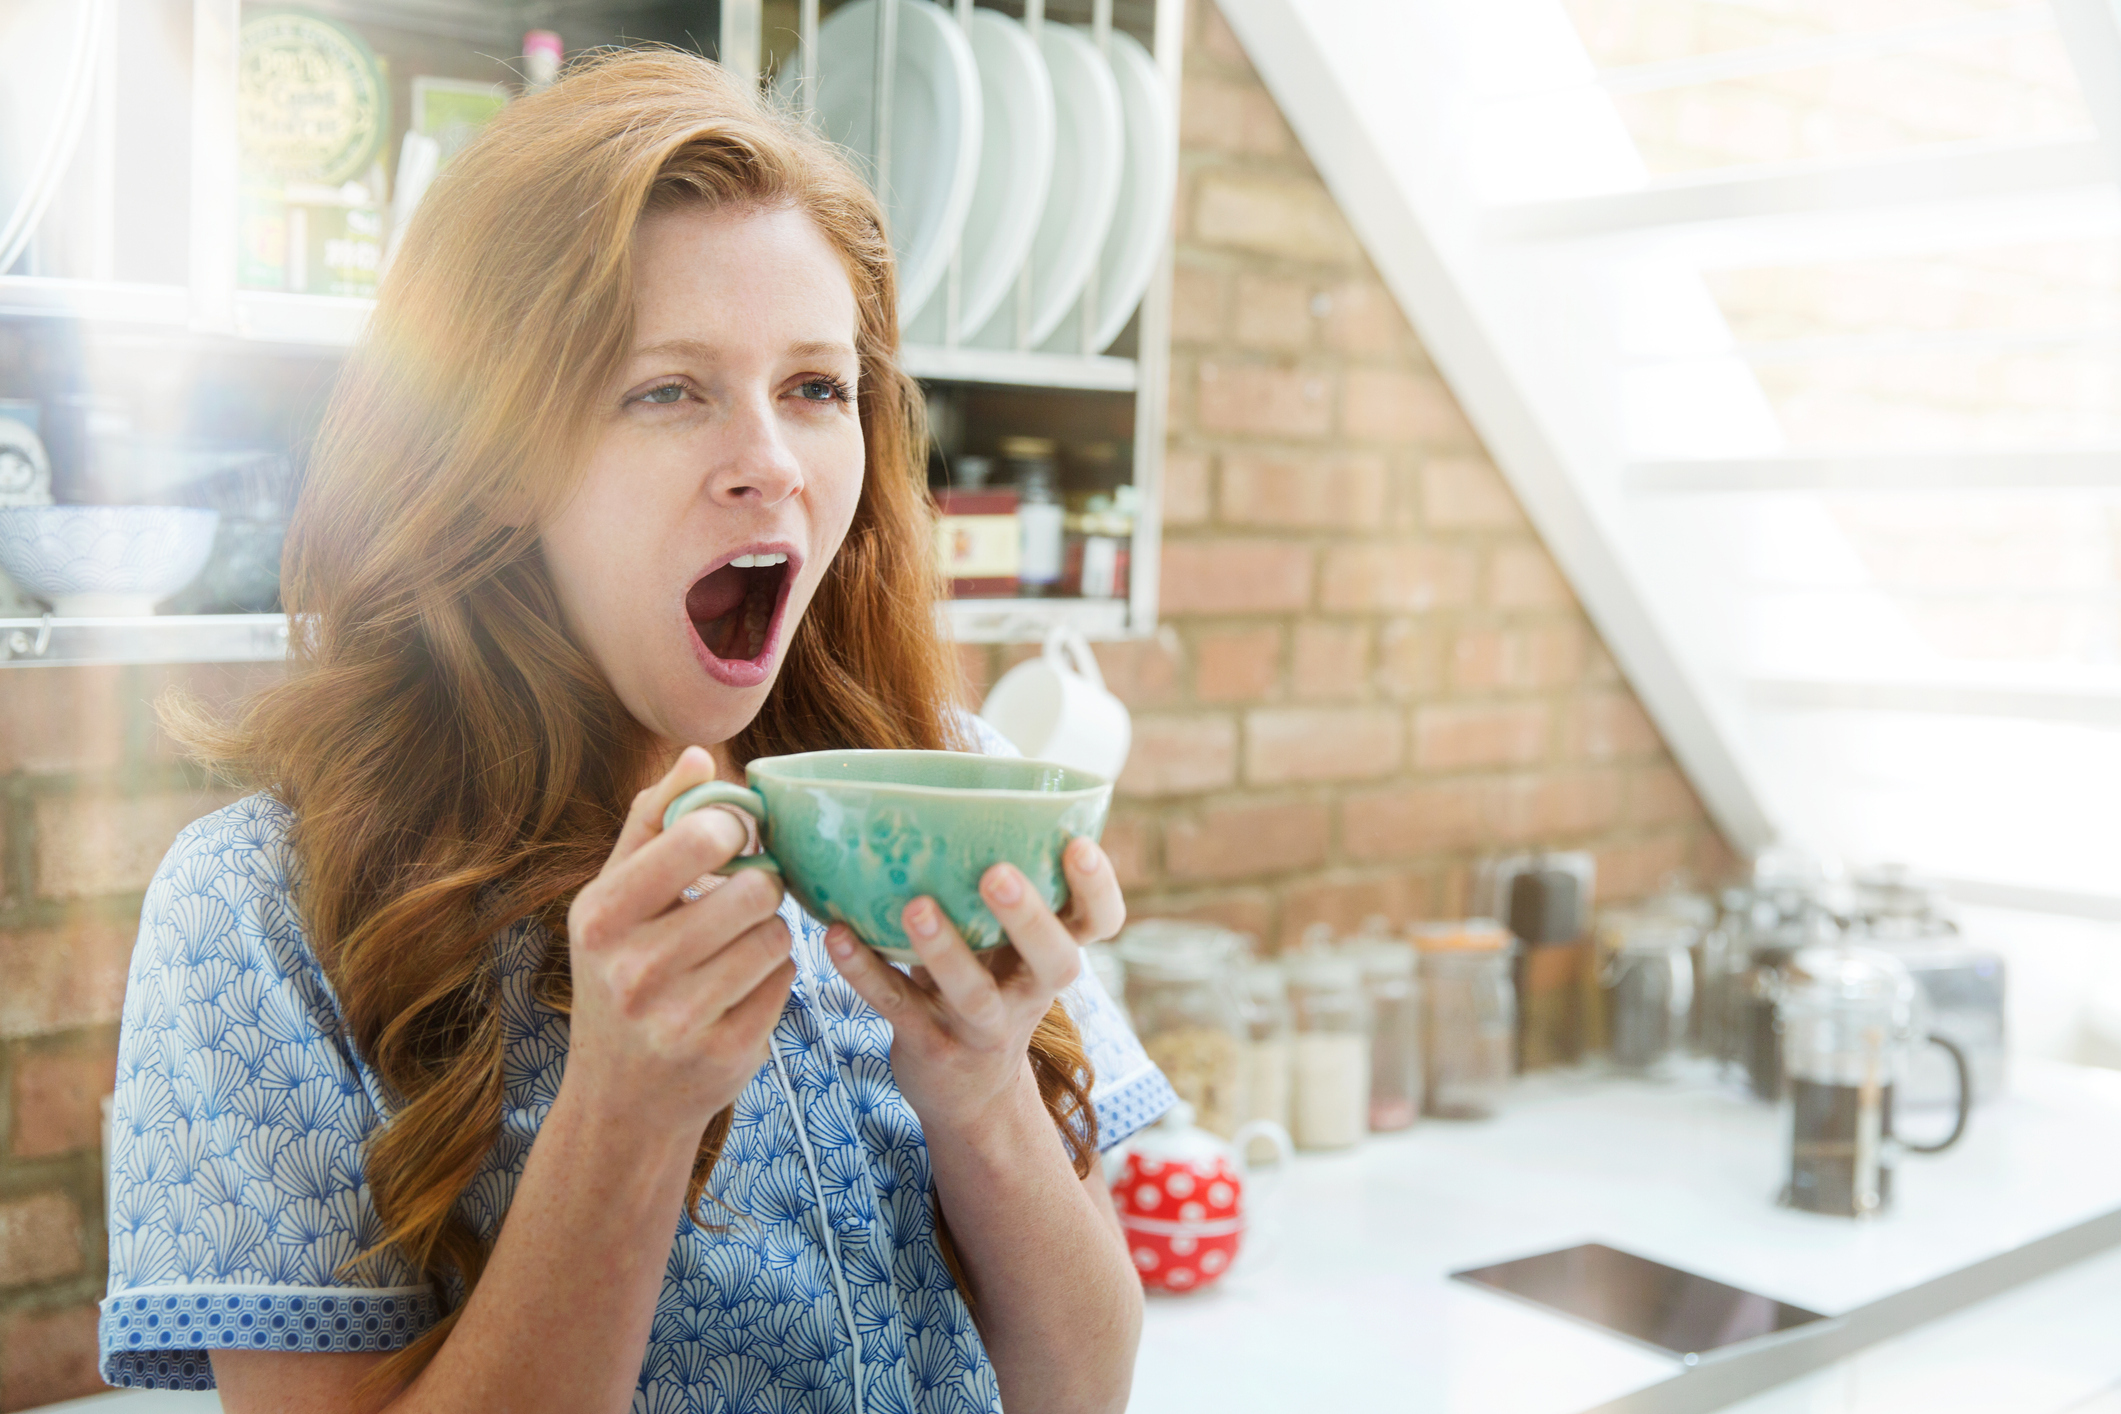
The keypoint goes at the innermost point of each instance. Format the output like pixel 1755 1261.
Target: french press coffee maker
pixel 1852 1022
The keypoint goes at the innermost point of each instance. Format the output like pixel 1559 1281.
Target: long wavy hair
pixel 453 761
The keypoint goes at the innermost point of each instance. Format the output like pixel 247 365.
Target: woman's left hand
pixel 962 1023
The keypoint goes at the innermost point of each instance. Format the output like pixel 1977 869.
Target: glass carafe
pixel 1852 1021
pixel 1647 973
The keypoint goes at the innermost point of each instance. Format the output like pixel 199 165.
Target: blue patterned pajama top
pixel 237 1189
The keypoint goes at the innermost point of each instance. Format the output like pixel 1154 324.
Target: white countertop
pixel 1351 1307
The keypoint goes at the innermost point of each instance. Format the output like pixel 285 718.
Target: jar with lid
pixel 1469 1016
pixel 1393 994
pixel 1647 974
pixel 1039 513
pixel 1181 983
pixel 1263 995
pixel 1332 1050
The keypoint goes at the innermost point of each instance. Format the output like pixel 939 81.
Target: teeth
pixel 758 562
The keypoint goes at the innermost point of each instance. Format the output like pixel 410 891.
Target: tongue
pixel 715 595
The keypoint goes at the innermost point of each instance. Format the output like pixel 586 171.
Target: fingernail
pixel 839 941
pixel 923 919
pixel 1005 885
pixel 1088 856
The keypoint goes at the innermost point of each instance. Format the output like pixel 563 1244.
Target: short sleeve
pixel 1127 1090
pixel 237 1200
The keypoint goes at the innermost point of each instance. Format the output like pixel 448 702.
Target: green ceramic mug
pixel 855 835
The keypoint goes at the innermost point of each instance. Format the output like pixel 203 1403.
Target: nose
pixel 754 465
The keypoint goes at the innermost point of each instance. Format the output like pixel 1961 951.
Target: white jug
pixel 1055 707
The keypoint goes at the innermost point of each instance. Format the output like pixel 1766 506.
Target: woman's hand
pixel 674 1001
pixel 961 1025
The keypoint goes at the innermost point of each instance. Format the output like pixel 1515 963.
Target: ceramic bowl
pixel 104 561
pixel 856 835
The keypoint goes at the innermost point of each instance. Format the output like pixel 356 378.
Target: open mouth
pixel 734 612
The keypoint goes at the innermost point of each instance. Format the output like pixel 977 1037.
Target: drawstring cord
pixel 824 1220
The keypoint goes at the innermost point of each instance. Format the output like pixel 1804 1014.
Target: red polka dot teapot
pixel 1181 1197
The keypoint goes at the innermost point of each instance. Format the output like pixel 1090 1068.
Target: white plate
pixel 1144 212
pixel 1087 157
pixel 1015 167
pixel 935 127
pixel 48 59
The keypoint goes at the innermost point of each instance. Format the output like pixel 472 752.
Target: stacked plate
pixel 1047 166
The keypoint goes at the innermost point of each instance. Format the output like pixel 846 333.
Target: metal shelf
pixel 1027 620
pixel 171 638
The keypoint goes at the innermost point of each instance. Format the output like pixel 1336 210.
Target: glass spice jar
pixel 1263 994
pixel 1469 1016
pixel 1332 1050
pixel 1182 993
pixel 1393 995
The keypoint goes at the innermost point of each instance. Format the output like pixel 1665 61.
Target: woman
pixel 431 1045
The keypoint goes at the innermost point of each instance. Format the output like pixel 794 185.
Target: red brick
pixel 1639 868
pixel 1128 843
pixel 1407 654
pixel 1363 319
pixel 217 688
pixel 1608 725
pixel 1388 406
pixel 1247 911
pixel 1269 402
pixel 1467 493
pixel 1598 666
pixel 1219 40
pixel 1407 821
pixel 1525 577
pixel 1271 215
pixel 48 1356
pixel 1660 795
pixel 1198 297
pixel 1517 659
pixel 1274 314
pixel 1550 807
pixel 975 664
pixel 1235 576
pixel 1331 660
pixel 1712 861
pixel 58 1099
pixel 64 719
pixel 89 845
pixel 40 1239
pixel 1397 577
pixel 1345 904
pixel 1180 755
pixel 1238 840
pixel 68 975
pixel 1185 488
pixel 1237 665
pixel 1142 672
pixel 1452 738
pixel 1340 492
pixel 1321 744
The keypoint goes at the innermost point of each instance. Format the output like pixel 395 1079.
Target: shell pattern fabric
pixel 809 1281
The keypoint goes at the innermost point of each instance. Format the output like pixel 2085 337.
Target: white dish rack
pixel 209 311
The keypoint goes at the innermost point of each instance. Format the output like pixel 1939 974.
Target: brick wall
pixel 91 794
pixel 1370 672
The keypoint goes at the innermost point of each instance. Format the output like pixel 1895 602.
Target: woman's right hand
pixel 674 1002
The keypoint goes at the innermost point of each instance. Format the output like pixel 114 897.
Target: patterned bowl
pixel 104 561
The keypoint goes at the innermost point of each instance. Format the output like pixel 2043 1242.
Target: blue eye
pixel 668 393
pixel 823 390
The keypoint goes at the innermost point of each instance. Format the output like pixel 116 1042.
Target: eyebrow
pixel 693 348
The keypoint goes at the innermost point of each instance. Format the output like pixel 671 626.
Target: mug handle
pixel 737 798
pixel 1068 651
pixel 1966 1098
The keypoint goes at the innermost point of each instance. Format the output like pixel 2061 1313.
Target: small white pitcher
pixel 1055 707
